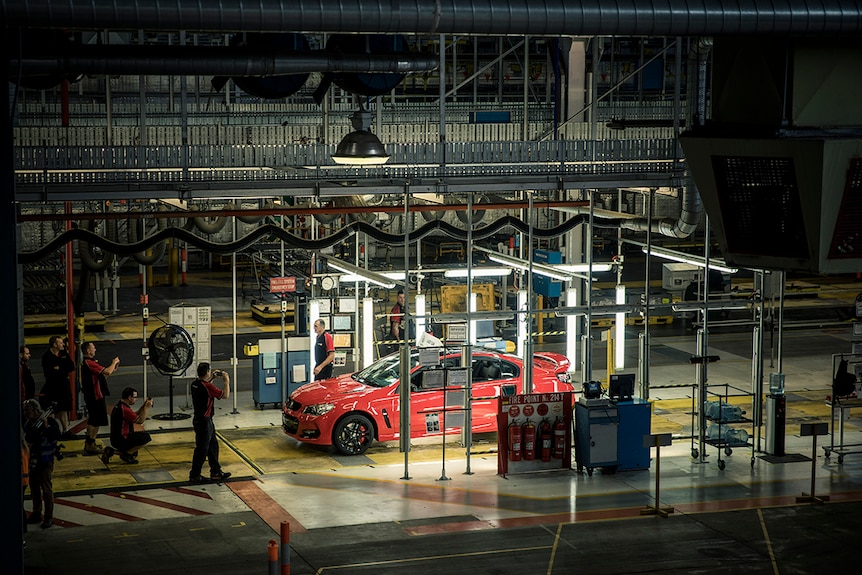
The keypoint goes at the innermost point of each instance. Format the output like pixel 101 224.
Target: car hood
pixel 334 390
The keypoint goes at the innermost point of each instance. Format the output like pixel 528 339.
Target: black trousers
pixel 206 447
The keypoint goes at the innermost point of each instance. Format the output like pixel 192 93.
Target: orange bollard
pixel 285 548
pixel 272 551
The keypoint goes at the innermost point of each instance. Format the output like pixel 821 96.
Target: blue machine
pixel 544 285
pixel 267 374
pixel 597 423
pixel 266 379
pixel 635 415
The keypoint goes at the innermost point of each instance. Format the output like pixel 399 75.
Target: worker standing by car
pixel 324 351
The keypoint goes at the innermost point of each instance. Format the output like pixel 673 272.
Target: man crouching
pixel 125 439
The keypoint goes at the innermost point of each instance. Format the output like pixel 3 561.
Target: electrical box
pixel 197 321
pixel 268 373
pixel 543 285
pixel 675 277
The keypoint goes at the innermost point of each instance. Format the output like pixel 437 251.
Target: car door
pixel 426 403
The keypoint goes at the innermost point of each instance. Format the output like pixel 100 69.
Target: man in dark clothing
pixel 57 391
pixel 203 392
pixel 396 317
pixel 324 351
pixel 41 432
pixel 25 376
pixel 125 439
pixel 94 385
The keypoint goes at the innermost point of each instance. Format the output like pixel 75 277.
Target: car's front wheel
pixel 353 435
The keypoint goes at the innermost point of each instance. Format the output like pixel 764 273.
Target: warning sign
pixel 282 285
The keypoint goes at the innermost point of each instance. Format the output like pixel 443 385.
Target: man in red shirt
pixel 125 438
pixel 203 393
pixel 396 317
pixel 324 351
pixel 94 386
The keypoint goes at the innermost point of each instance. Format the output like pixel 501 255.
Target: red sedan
pixel 351 411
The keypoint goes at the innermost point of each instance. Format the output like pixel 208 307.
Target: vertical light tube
pixel 572 327
pixel 522 318
pixel 313 316
pixel 620 331
pixel 473 338
pixel 419 314
pixel 367 331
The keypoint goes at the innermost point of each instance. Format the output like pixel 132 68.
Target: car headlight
pixel 319 408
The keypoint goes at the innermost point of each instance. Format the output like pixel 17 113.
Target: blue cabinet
pixel 635 418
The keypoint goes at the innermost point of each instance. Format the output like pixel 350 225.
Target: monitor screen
pixel 621 386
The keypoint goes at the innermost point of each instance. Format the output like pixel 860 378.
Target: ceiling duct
pixel 778 167
pixel 271 87
pixel 237 61
pixel 492 17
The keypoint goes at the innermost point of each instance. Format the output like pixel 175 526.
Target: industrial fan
pixel 171 352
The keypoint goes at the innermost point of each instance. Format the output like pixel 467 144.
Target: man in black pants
pixel 125 439
pixel 94 385
pixel 203 393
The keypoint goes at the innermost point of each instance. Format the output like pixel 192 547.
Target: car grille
pixel 293 405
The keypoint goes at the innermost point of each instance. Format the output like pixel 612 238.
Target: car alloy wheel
pixel 353 435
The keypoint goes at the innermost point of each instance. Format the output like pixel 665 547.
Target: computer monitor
pixel 621 386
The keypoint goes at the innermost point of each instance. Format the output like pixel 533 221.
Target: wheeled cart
pixel 597 424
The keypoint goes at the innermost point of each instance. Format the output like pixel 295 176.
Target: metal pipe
pixel 493 17
pixel 211 60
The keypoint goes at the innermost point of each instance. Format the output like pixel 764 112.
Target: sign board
pixel 282 285
pixel 534 422
pixel 456 331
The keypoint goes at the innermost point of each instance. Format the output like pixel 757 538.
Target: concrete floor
pixel 360 515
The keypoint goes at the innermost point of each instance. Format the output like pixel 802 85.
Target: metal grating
pixel 847 237
pixel 760 206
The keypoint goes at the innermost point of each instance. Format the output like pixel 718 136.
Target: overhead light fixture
pixel 518 263
pixel 360 147
pixel 586 268
pixel 477 272
pixel 366 275
pixel 719 265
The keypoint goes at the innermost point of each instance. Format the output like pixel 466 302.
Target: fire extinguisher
pixel 514 441
pixel 545 439
pixel 559 438
pixel 529 441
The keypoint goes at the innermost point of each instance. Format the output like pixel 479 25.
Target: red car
pixel 351 411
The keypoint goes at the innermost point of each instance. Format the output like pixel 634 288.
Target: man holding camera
pixel 203 393
pixel 41 432
pixel 125 437
pixel 94 385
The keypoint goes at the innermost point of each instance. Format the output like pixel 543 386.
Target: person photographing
pixel 204 393
pixel 126 438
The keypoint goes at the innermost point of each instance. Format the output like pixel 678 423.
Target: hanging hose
pixel 89 258
pixel 213 225
pixel 136 233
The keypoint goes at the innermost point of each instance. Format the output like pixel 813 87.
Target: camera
pixel 150 399
pixel 218 373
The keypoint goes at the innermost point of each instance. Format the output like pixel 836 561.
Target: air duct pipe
pixel 491 17
pixel 210 60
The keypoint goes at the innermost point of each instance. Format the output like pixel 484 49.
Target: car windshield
pixel 381 373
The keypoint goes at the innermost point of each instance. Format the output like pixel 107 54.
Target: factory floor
pixel 697 508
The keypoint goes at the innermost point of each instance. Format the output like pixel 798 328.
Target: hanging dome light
pixel 360 147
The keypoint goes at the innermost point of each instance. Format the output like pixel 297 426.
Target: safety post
pixel 657 440
pixel 272 552
pixel 813 429
pixel 285 548
pixel 184 265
